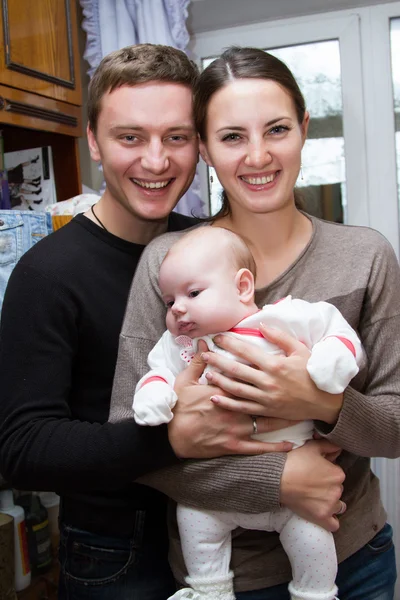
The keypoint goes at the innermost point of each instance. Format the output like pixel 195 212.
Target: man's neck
pixel 117 220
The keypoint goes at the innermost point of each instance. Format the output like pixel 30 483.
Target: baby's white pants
pixel 206 545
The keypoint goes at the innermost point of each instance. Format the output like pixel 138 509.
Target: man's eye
pixel 129 138
pixel 194 293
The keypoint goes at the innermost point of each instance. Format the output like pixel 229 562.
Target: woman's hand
pixel 274 386
pixel 311 485
pixel 201 429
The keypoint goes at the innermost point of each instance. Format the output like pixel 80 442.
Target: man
pixel 62 314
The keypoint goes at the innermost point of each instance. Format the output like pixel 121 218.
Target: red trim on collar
pixel 246 331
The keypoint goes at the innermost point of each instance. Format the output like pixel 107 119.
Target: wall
pixel 206 15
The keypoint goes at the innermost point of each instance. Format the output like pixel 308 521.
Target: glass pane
pixel 316 67
pixel 395 52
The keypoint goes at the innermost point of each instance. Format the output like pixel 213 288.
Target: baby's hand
pixel 332 365
pixel 153 403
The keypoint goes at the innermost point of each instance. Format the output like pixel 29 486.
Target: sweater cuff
pixel 248 485
pixel 350 414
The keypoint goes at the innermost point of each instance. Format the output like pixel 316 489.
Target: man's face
pixel 148 148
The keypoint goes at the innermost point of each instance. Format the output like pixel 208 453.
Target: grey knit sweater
pixel 355 269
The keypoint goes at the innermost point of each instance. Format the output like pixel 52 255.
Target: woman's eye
pixel 231 137
pixel 194 293
pixel 279 129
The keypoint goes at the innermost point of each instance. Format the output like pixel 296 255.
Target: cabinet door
pixel 39 49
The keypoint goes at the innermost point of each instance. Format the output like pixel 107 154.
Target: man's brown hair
pixel 136 64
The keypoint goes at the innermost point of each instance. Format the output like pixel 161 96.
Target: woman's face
pixel 254 142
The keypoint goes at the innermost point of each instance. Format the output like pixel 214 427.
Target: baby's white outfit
pixel 336 355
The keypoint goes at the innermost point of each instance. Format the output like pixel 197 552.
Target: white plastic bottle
pixel 51 502
pixel 21 556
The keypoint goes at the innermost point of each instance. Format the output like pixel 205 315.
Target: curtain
pixel 113 24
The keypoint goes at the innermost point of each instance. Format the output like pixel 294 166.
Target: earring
pixel 301 172
pixel 211 182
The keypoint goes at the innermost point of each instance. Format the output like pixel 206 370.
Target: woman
pixel 252 123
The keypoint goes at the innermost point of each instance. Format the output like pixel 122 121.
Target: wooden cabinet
pixel 39 48
pixel 40 85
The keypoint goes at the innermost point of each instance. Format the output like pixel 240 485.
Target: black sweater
pixel 61 318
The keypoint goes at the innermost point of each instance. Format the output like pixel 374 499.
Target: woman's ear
pixel 92 143
pixel 204 153
pixel 244 281
pixel 304 126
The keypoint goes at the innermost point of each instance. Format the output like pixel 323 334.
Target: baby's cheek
pixel 170 323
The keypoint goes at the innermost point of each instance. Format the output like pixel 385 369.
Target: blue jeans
pixel 369 574
pixel 19 231
pixel 94 567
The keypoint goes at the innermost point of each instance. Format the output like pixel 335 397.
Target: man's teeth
pixel 151 185
pixel 259 180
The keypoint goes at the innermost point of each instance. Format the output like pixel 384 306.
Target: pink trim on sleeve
pixel 346 342
pixel 153 378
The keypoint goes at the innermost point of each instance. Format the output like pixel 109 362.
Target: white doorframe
pixel 380 122
pixel 346 29
pixel 381 156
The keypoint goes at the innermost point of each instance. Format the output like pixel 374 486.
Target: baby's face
pixel 200 293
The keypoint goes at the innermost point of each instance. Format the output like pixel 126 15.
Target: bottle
pixel 38 534
pixel 21 555
pixel 51 502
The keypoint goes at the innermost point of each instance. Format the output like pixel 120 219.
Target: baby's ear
pixel 244 282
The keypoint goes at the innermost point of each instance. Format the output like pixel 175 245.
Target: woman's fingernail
pixel 209 376
pixel 218 339
pixel 214 399
pixel 204 356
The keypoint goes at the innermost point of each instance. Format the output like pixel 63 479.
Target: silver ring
pixel 255 428
pixel 342 508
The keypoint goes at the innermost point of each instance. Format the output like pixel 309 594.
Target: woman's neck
pixel 276 239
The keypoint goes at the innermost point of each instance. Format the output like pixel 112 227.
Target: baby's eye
pixel 194 293
pixel 169 304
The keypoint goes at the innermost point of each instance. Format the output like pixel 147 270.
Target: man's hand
pixel 311 485
pixel 200 429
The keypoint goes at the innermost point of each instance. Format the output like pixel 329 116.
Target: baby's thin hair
pixel 242 257
pixel 241 252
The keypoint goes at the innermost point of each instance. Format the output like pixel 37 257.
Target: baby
pixel 207 283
